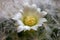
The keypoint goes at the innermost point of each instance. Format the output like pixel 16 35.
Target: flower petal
pixel 19 22
pixel 42 20
pixel 25 5
pixel 20 28
pixel 44 13
pixel 21 11
pixel 26 28
pixel 17 16
pixel 33 6
pixel 36 26
pixel 39 10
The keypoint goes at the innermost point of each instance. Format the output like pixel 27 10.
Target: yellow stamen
pixel 30 20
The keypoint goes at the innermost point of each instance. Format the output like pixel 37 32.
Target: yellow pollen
pixel 30 20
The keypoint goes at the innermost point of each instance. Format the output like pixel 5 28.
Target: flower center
pixel 30 20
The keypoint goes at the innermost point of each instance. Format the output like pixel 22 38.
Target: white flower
pixel 30 17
